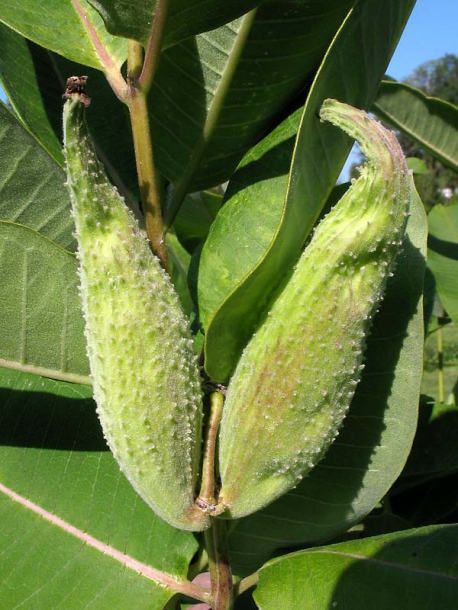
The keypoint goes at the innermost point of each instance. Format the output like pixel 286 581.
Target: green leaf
pixel 54 458
pixel 32 185
pixel 179 262
pixel 246 225
pixel 209 104
pixel 432 122
pixel 40 311
pixel 269 215
pixel 196 216
pixel 34 78
pixel 443 255
pixel 134 18
pixel 19 76
pixel 418 166
pixel 71 28
pixel 375 440
pixel 40 335
pixel 68 573
pixel 408 570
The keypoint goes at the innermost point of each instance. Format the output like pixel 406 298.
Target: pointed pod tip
pixel 379 145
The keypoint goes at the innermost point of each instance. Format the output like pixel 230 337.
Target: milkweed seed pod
pixel 295 379
pixel 145 374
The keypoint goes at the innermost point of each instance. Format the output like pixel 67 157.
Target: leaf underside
pixel 53 454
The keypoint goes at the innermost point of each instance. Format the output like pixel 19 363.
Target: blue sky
pixel 431 32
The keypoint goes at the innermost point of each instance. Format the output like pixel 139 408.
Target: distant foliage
pixel 438 78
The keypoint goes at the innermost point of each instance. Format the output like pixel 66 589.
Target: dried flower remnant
pixel 76 85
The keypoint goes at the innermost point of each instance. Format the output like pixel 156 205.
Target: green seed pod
pixel 145 374
pixel 295 379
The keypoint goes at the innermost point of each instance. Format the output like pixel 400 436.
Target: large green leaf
pixel 408 570
pixel 243 230
pixel 209 105
pixel 32 185
pixel 40 311
pixel 34 80
pixel 375 440
pixel 44 567
pixel 134 18
pixel 71 28
pixel 196 216
pixel 432 122
pixel 66 509
pixel 179 260
pixel 268 215
pixel 40 308
pixel 18 76
pixel 443 255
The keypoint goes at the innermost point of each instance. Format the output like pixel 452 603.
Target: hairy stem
pixel 207 491
pixel 182 188
pixel 215 537
pixel 134 61
pixel 220 571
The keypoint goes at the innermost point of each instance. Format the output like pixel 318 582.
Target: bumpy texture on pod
pixel 296 377
pixel 146 378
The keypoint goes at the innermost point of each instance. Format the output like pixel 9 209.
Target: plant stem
pixel 134 60
pixel 207 491
pixel 218 561
pixel 140 77
pixel 154 47
pixel 111 71
pixel 143 147
pixel 215 536
pixel 211 121
pixel 146 173
pixel 246 583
